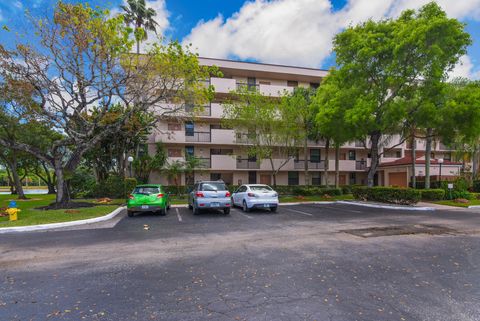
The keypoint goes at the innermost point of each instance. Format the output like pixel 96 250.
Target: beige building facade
pixel 223 151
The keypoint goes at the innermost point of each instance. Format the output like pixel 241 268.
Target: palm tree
pixel 173 171
pixel 137 13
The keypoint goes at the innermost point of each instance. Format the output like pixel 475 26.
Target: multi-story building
pixel 222 150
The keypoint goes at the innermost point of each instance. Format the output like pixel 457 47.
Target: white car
pixel 251 196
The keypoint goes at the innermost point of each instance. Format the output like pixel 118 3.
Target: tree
pixel 265 125
pixel 297 110
pixel 173 171
pixel 81 68
pixel 137 13
pixel 145 164
pixel 381 63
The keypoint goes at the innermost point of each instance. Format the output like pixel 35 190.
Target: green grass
pixel 452 203
pixel 31 216
pixel 179 200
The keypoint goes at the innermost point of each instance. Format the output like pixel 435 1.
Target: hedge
pixel 404 196
pixel 433 194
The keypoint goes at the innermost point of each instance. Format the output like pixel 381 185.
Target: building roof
pixel 420 160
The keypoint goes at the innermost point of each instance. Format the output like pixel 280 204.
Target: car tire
pixel 226 211
pixel 162 212
pixel 245 207
pixel 130 213
pixel 168 207
pixel 273 209
pixel 190 207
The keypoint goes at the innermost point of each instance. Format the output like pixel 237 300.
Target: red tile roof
pixel 407 160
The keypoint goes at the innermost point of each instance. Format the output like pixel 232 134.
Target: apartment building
pixel 222 151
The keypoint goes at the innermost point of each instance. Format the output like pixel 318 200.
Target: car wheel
pixel 190 207
pixel 226 211
pixel 273 209
pixel 245 207
pixel 162 212
pixel 130 213
pixel 168 207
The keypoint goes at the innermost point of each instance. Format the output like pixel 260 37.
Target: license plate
pixel 215 204
pixel 266 205
pixel 144 207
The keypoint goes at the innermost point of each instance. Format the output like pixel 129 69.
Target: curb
pixel 43 227
pixel 306 203
pixel 423 208
pixel 474 206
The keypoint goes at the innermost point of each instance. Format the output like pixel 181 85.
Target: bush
pixel 458 194
pixel 82 182
pixel 114 187
pixel 405 196
pixel 476 186
pixel 433 194
pixel 312 191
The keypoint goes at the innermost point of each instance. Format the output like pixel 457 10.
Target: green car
pixel 148 198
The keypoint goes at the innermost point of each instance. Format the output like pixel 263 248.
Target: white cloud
pixel 298 32
pixel 465 69
pixel 161 18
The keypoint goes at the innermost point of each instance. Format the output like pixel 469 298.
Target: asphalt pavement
pixel 300 263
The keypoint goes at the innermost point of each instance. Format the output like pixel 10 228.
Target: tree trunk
pixel 414 158
pixel 475 162
pixel 63 195
pixel 274 173
pixel 16 179
pixel 428 152
pixel 305 157
pixel 375 139
pixel 325 168
pixel 337 165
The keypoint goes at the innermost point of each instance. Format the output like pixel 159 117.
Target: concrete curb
pixel 391 207
pixel 43 227
pixel 306 203
pixel 474 206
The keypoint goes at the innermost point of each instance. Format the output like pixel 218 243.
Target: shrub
pixel 476 186
pixel 82 182
pixel 114 187
pixel 458 194
pixel 433 194
pixel 405 196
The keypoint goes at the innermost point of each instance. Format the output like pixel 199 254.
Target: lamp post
pixel 130 161
pixel 440 161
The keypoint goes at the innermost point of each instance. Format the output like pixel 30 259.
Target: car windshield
pixel 213 187
pixel 261 188
pixel 147 190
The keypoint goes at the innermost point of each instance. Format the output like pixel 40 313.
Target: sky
pixel 289 32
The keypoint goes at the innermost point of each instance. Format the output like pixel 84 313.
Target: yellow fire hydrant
pixel 13 213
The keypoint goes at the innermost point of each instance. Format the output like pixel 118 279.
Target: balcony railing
pixel 203 137
pixel 243 163
pixel 249 87
pixel 359 143
pixel 204 162
pixel 360 165
pixel 300 164
pixel 244 138
pixel 204 110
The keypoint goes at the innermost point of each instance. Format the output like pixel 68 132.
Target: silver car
pixel 209 195
pixel 255 196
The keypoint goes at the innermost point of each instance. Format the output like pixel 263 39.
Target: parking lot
pixel 301 263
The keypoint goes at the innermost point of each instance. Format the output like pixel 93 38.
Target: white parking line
pixel 178 215
pixel 299 212
pixel 241 213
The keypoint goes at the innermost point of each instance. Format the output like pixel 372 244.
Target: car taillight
pixel 199 194
pixel 251 195
pixel 130 196
pixel 160 195
pixel 227 194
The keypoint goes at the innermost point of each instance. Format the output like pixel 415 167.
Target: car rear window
pixel 264 188
pixel 146 190
pixel 213 187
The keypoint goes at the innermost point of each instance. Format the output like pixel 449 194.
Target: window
pixel 189 128
pixel 315 155
pixel 189 151
pixel 252 177
pixel 212 187
pixel 219 151
pixel 215 176
pixel 261 188
pixel 174 152
pixel 343 156
pixel 292 83
pixel 314 85
pixel 174 126
pixel 316 179
pixel 447 156
pixel 251 83
pixel 399 154
pixel 146 190
pixel 351 155
pixel 292 178
pixel 353 178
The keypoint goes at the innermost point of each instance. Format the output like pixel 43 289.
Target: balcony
pixel 223 85
pixel 201 137
pixel 204 163
pixel 244 163
pixel 204 110
pixel 359 143
pixel 246 86
pixel 241 138
pixel 216 110
pixel 223 162
pixel 275 90
pixel 300 164
pixel 223 136
pixel 361 165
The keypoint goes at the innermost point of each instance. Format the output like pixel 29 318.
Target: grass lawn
pixel 30 216
pixel 452 203
pixel 179 200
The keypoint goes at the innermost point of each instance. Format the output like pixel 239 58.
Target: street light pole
pixel 440 161
pixel 130 160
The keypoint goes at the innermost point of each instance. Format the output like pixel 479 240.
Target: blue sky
pixel 294 32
